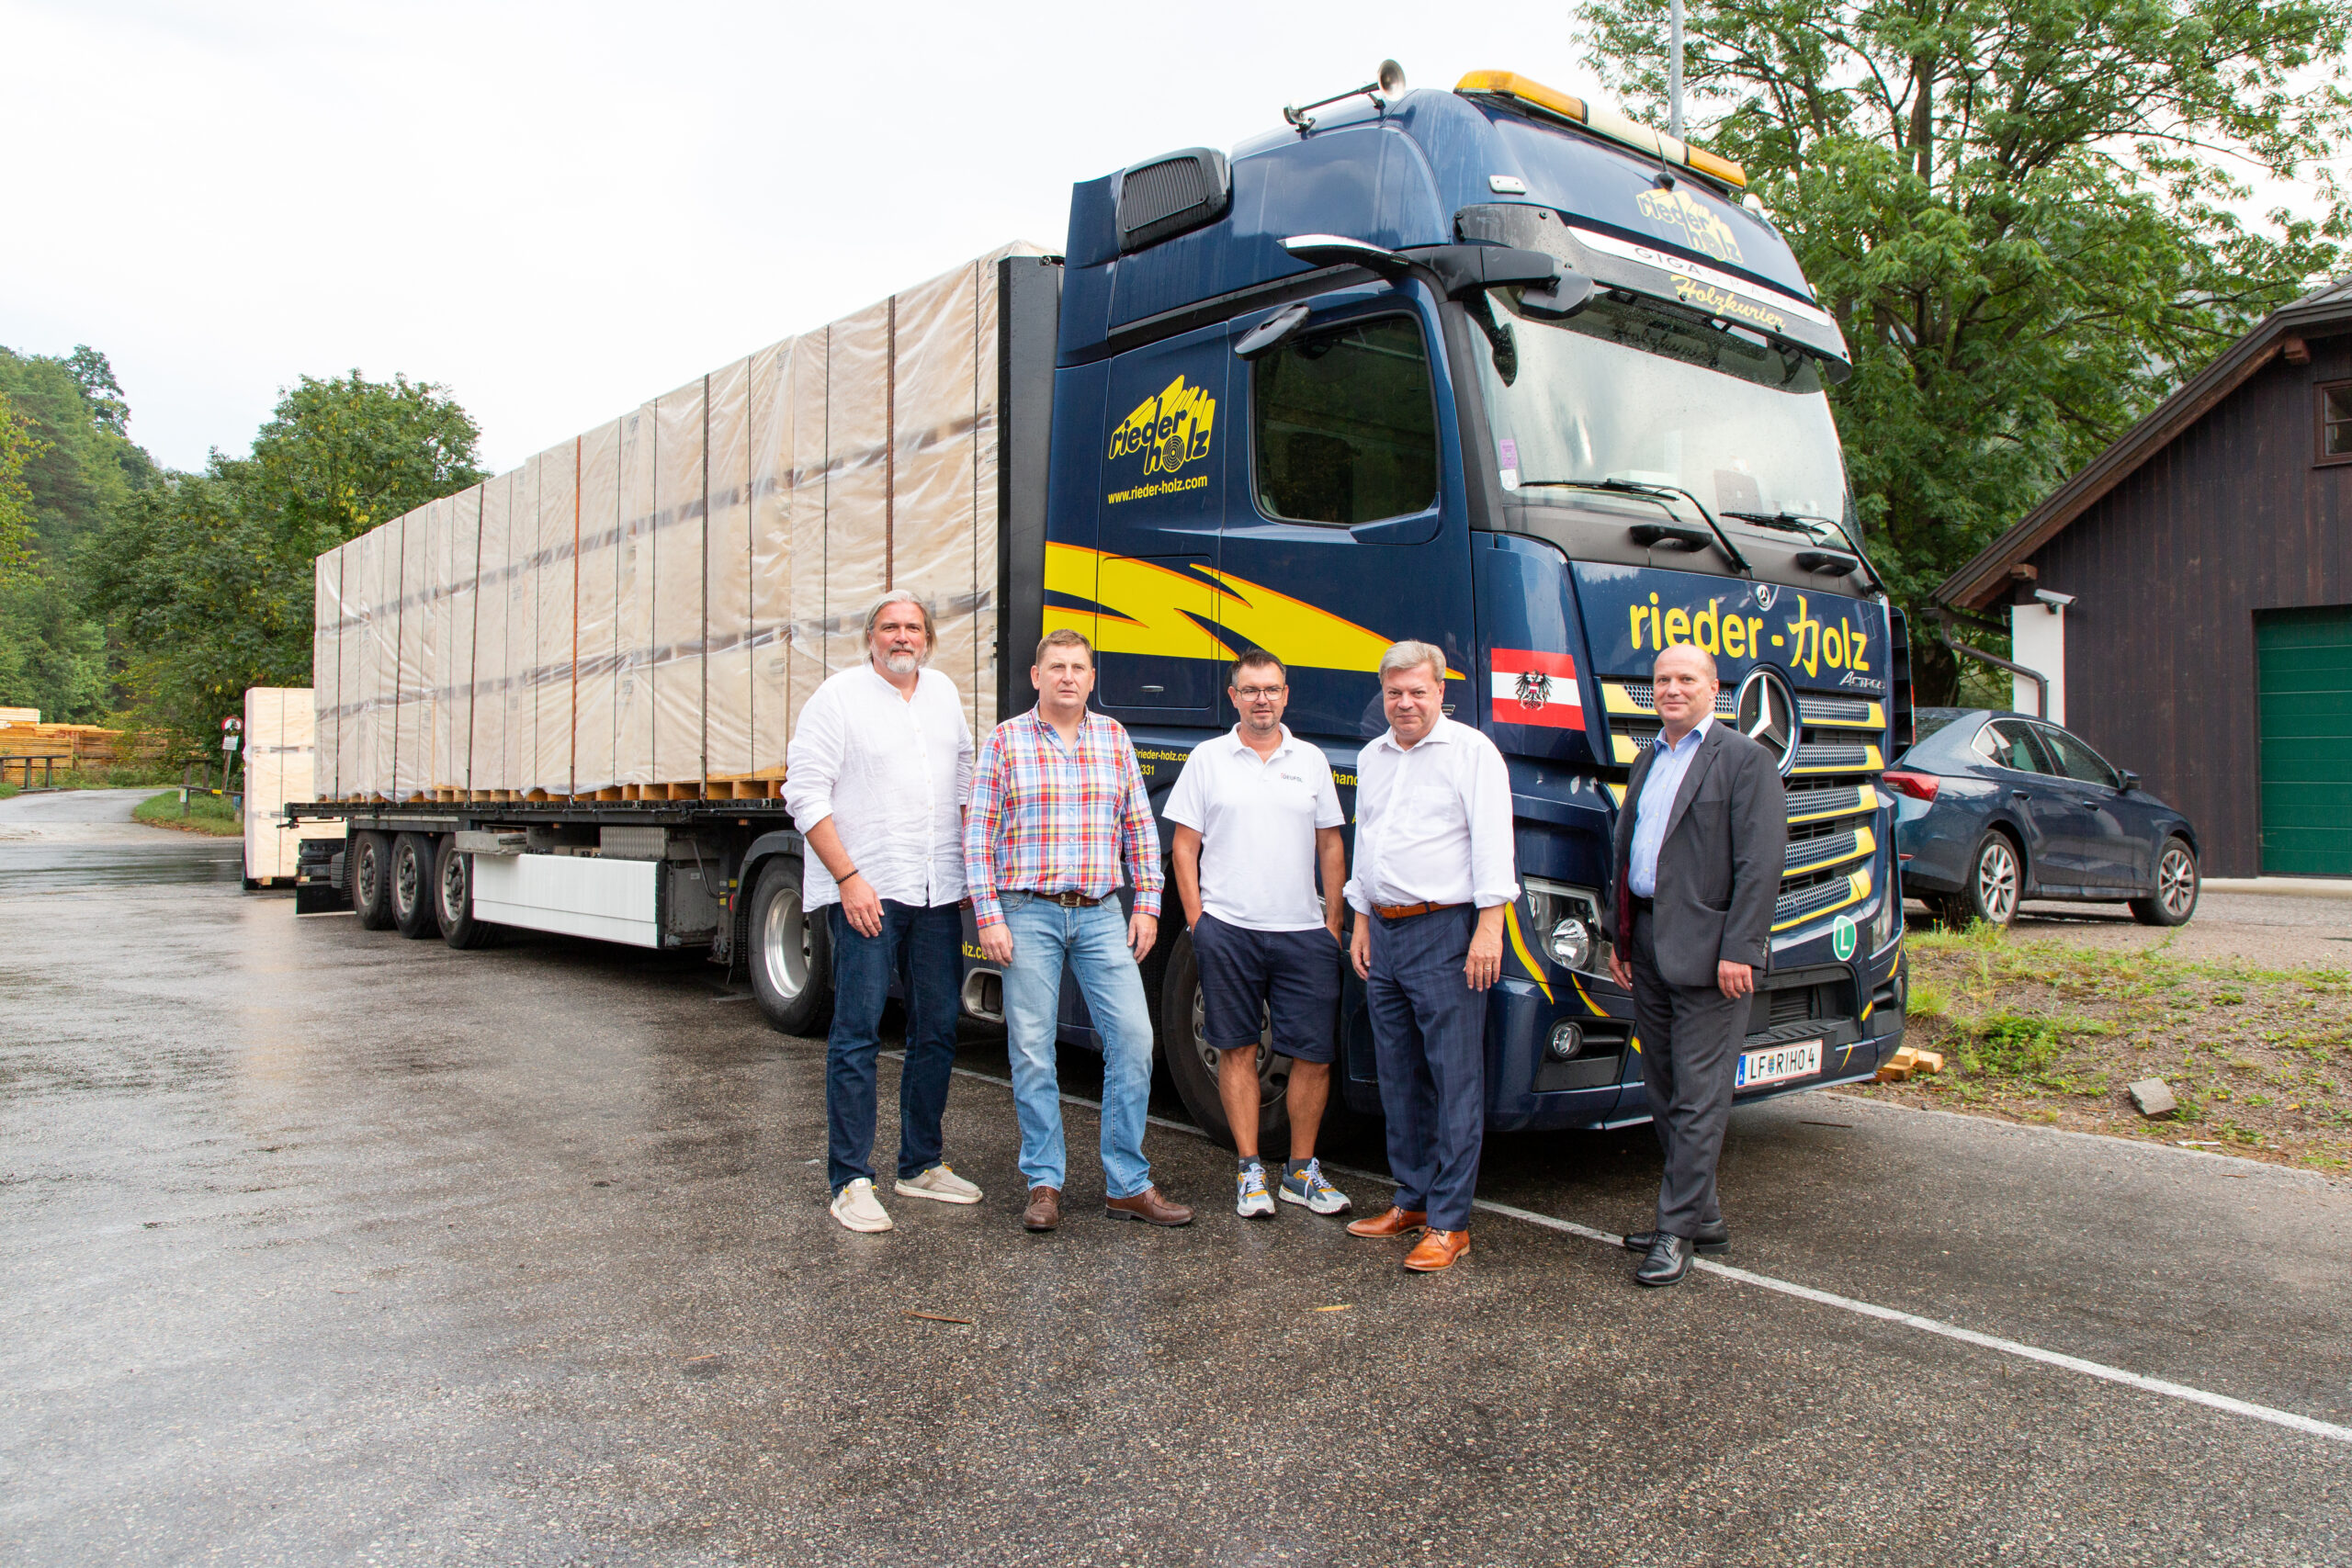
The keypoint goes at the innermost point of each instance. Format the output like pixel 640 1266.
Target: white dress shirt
pixel 1257 822
pixel 893 774
pixel 1668 766
pixel 1433 822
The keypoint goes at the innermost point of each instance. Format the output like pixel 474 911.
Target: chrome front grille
pixel 1833 796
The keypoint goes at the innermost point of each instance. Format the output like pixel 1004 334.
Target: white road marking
pixel 2100 1369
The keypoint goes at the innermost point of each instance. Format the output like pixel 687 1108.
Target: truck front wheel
pixel 412 886
pixel 453 901
pixel 371 879
pixel 791 953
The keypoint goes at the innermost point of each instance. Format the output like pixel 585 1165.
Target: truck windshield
pixel 1622 394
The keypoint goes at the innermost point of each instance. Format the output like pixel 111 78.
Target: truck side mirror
pixel 1269 333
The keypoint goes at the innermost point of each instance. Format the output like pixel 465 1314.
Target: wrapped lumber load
pixel 280 753
pixel 639 613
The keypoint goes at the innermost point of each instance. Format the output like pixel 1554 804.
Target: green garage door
pixel 2306 658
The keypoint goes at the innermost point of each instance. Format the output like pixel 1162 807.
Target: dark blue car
pixel 1996 807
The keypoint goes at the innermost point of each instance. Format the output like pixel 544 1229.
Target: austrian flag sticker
pixel 1536 688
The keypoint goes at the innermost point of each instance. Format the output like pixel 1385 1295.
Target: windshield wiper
pixel 1630 487
pixel 1792 521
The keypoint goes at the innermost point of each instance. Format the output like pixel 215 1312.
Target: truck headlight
pixel 1565 922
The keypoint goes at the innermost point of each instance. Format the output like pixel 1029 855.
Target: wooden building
pixel 2187 597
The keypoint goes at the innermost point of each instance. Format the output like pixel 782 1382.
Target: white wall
pixel 2038 641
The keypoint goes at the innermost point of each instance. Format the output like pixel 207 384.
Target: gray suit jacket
pixel 1719 870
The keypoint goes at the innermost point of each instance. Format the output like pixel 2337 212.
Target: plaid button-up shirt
pixel 1046 817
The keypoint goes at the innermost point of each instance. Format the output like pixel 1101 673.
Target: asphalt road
pixel 322 1246
pixel 2267 929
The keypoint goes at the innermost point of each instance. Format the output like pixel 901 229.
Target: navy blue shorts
pixel 1248 975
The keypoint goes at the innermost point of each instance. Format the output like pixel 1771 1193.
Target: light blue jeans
pixel 1093 942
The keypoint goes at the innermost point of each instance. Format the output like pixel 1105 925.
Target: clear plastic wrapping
pixel 645 609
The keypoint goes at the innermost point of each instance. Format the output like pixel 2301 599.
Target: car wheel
pixel 1995 881
pixel 413 897
pixel 453 900
pixel 1193 1063
pixel 791 954
pixel 371 879
pixel 2177 885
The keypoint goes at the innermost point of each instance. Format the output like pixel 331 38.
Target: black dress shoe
pixel 1669 1259
pixel 1710 1238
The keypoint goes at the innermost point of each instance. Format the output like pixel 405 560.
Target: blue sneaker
pixel 1305 1185
pixel 1251 1200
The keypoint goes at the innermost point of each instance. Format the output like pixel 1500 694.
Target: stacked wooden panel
pixel 640 612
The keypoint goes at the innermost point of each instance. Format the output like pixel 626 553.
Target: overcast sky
pixel 560 211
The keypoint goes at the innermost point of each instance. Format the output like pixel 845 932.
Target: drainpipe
pixel 2040 683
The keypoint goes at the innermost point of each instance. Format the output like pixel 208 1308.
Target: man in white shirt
pixel 1256 815
pixel 877 777
pixel 1434 879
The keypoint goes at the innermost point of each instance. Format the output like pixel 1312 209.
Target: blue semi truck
pixel 1493 369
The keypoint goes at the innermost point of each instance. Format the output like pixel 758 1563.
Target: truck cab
pixel 1497 370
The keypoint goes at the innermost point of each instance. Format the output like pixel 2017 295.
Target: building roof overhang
pixel 1984 580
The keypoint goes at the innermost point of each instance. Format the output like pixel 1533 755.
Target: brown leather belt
pixel 1067 900
pixel 1406 911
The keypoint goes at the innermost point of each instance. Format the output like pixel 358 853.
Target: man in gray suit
pixel 1700 846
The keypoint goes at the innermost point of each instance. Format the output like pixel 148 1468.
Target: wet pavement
pixel 324 1247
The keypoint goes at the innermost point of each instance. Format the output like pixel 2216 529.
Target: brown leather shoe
pixel 1044 1210
pixel 1438 1249
pixel 1150 1207
pixel 1395 1221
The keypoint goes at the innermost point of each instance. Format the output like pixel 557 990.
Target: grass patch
pixel 2039 1028
pixel 206 814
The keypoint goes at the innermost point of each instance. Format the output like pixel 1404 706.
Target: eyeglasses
pixel 1257 694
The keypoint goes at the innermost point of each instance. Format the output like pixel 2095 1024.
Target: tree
pixel 19 446
pixel 2023 214
pixel 208 577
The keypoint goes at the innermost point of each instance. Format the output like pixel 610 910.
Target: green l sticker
pixel 1841 937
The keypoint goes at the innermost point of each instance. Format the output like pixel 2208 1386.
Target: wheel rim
pixel 784 944
pixel 452 889
pixel 370 875
pixel 1274 1071
pixel 404 878
pixel 2176 882
pixel 1996 882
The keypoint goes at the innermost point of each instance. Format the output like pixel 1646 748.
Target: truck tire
pixel 412 890
pixel 1193 1065
pixel 2177 885
pixel 791 956
pixel 371 879
pixel 453 900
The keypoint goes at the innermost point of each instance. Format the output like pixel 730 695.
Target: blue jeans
pixel 1093 942
pixel 930 942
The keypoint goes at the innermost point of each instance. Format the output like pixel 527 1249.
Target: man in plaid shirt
pixel 1056 797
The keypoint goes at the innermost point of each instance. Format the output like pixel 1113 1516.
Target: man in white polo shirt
pixel 1256 816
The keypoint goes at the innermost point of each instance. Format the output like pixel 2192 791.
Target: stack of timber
pixel 86 745
pixel 639 613
pixel 278 767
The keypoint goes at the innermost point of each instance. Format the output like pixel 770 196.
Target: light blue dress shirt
pixel 1656 803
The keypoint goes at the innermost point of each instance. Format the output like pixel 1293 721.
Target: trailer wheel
pixel 412 889
pixel 453 900
pixel 791 954
pixel 371 879
pixel 1193 1065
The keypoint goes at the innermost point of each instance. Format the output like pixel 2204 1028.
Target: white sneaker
pixel 1251 1200
pixel 857 1208
pixel 941 1184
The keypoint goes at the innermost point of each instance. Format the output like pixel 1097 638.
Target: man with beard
pixel 878 770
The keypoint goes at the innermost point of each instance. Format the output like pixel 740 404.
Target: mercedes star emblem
pixel 1767 715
